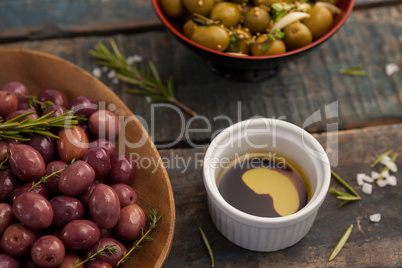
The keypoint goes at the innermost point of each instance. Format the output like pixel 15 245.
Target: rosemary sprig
pixel 344 196
pixel 44 179
pixel 354 70
pixel 393 159
pixel 144 236
pixel 99 251
pixel 341 243
pixel 378 160
pixel 12 129
pixel 34 102
pixel 207 245
pixel 145 77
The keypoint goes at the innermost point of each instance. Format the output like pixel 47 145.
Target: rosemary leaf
pixel 354 70
pixel 341 181
pixel 349 198
pixel 208 246
pixel 341 243
pixel 378 160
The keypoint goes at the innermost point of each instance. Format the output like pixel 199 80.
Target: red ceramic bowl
pixel 237 65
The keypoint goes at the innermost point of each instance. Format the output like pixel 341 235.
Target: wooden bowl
pixel 39 71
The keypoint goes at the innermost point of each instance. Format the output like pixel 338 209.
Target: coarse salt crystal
pixel 368 179
pixel 391 68
pixel 392 166
pixel 381 183
pixel 111 74
pixel 375 217
pixel 115 81
pixel 385 174
pixel 367 188
pixel 375 175
pixel 360 177
pixel 105 69
pixel 385 159
pixel 391 180
pixel 148 99
pixel 97 72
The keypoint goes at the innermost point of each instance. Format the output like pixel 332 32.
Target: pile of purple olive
pixel 87 203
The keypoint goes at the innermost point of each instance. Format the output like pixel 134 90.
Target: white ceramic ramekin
pixel 264 233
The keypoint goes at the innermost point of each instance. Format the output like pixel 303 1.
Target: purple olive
pixel 104 124
pixel 126 194
pixel 8 103
pixel 83 105
pixel 33 210
pixel 17 239
pixel 6 261
pixel 104 206
pixel 16 113
pixel 48 251
pixel 122 169
pixel 4 145
pixel 85 196
pixel 52 182
pixel 70 259
pixel 98 264
pixel 6 216
pixel 53 95
pixel 65 209
pixel 8 183
pixel 112 259
pixel 25 162
pixel 76 178
pixel 56 109
pixel 18 89
pixel 80 234
pixel 131 222
pixel 99 160
pixel 105 144
pixel 45 145
pixel 40 189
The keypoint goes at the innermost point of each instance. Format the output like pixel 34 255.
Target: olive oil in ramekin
pixel 264 184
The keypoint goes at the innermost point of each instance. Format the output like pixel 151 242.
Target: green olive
pixel 227 13
pixel 268 3
pixel 261 48
pixel 188 28
pixel 213 37
pixel 173 8
pixel 202 7
pixel 297 35
pixel 320 21
pixel 242 44
pixel 257 20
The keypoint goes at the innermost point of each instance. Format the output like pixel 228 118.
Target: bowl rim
pixel 164 253
pixel 267 222
pixel 166 23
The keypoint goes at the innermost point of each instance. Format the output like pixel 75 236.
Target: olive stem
pixel 99 251
pixel 184 107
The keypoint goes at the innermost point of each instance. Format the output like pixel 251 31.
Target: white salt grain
pixel 391 180
pixel 391 68
pixel 375 217
pixel 148 99
pixel 392 166
pixel 375 175
pixel 97 72
pixel 385 159
pixel 115 81
pixel 381 183
pixel 111 74
pixel 368 179
pixel 360 177
pixel 367 188
pixel 385 174
pixel 105 69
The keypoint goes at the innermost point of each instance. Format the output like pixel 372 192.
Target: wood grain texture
pixel 44 19
pixel 308 84
pixel 370 244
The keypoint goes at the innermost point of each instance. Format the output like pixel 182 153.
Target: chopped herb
pixel 354 70
pixel 207 245
pixel 341 243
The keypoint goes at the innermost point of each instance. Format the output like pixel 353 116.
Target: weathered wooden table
pixel 369 117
